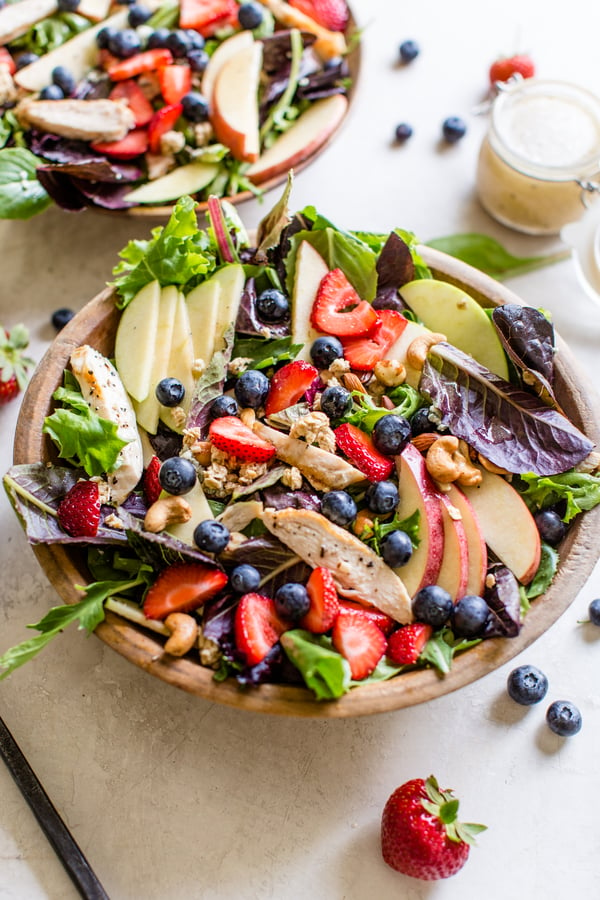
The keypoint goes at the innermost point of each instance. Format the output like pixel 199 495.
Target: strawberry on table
pixel 406 644
pixel 360 641
pixel 324 603
pixel 338 309
pixel 332 14
pixel 14 366
pixel 360 450
pixel 257 627
pixel 79 511
pixel 288 385
pixel 504 68
pixel 363 353
pixel 182 588
pixel 420 835
pixel 229 434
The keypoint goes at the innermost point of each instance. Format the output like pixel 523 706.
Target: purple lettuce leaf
pixel 395 267
pixel 248 320
pixel 77 158
pixel 509 426
pixel 93 88
pixel 504 601
pixel 267 480
pixel 528 338
pixel 280 497
pixel 103 194
pixel 61 188
pixel 265 553
pixel 277 48
pixel 324 82
pixel 165 443
pixel 161 550
pixel 218 617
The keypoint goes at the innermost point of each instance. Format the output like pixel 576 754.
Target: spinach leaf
pixel 21 194
pixel 324 670
pixel 488 255
pixel 441 648
pixel 263 353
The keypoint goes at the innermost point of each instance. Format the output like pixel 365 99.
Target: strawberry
pixel 150 482
pixel 136 100
pixel 507 66
pixel 7 60
pixel 78 512
pixel 384 622
pixel 206 16
pixel 360 450
pixel 331 14
pixel 406 644
pixel 257 627
pixel 133 144
pixel 339 310
pixel 420 836
pixel 324 603
pixel 228 433
pixel 364 352
pixel 164 120
pixel 360 641
pixel 147 61
pixel 288 385
pixel 182 588
pixel 175 82
pixel 14 367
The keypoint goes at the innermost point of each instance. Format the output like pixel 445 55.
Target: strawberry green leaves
pixel 443 805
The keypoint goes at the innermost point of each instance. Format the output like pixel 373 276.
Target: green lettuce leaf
pixel 51 32
pixel 441 648
pixel 264 353
pixel 579 491
pixel 324 670
pixel 21 194
pixel 545 573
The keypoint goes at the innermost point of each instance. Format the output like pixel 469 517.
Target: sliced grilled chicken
pixel 104 393
pixel 17 18
pixel 323 469
pixel 85 120
pixel 358 572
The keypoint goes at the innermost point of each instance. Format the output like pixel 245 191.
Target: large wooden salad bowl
pixel 65 568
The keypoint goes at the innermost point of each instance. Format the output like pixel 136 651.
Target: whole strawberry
pixel 507 66
pixel 14 367
pixel 419 832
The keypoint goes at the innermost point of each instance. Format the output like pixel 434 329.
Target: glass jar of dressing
pixel 541 156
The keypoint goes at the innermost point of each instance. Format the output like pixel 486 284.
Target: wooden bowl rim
pixel 578 557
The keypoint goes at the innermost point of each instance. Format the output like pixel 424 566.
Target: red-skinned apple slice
pixel 454 571
pixel 223 53
pixel 417 491
pixel 477 546
pixel 307 134
pixel 234 114
pixel 506 524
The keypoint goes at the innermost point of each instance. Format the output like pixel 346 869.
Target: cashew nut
pixel 445 463
pixel 417 350
pixel 363 523
pixel 248 416
pixel 167 511
pixel 390 372
pixel 184 633
pixel 489 466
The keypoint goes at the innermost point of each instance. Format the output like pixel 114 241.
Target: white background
pixel 173 797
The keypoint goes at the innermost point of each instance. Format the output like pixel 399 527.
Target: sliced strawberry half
pixel 359 641
pixel 150 482
pixel 331 14
pixel 360 450
pixel 182 588
pixel 163 120
pixel 229 434
pixel 288 385
pixel 147 61
pixel 384 622
pixel 175 82
pixel 324 603
pixel 79 511
pixel 136 100
pixel 7 60
pixel 133 144
pixel 339 310
pixel 406 644
pixel 200 14
pixel 363 353
pixel 257 627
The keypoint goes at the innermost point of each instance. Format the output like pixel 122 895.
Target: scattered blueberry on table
pixel 60 317
pixel 563 718
pixel 403 132
pixel 453 129
pixel 527 685
pixel 594 611
pixel 409 50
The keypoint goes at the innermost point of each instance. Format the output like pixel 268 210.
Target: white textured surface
pixel 172 797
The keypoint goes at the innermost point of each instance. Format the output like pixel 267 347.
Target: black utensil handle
pixel 63 842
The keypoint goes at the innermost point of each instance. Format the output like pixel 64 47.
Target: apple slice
pixel 234 114
pixel 203 311
pixel 454 571
pixel 184 531
pixel 307 134
pixel 17 18
pixel 224 52
pixel 184 180
pixel 95 10
pixel 135 339
pixel 477 549
pixel 147 411
pixel 398 351
pixel 446 308
pixel 417 491
pixel 181 362
pixel 506 524
pixel 231 279
pixel 311 268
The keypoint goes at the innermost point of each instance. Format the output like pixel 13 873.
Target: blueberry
pixel 250 15
pixel 325 350
pixel 403 132
pixel 469 616
pixel 224 406
pixel 68 5
pixel 382 497
pixel 26 59
pixel 158 39
pixel 594 612
pixel 52 92
pixel 244 579
pixel 396 549
pixel 391 434
pixel 338 507
pixel 105 36
pixel 195 107
pixel 292 601
pixel 563 718
pixel 527 685
pixel 125 44
pixel 64 79
pixel 198 60
pixel 388 301
pixel 432 605
pixel 60 317
pixel 195 39
pixel 178 43
pixel 251 388
pixel 138 14
pixel 177 475
pixel 453 129
pixel 409 50
pixel 551 527
pixel 272 305
pixel 170 392
pixel 335 401
pixel 211 536
pixel 420 422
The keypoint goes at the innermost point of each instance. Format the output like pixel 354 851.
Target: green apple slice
pixel 181 362
pixel 184 531
pixel 203 311
pixel 135 339
pixel 184 180
pixel 147 411
pixel 311 268
pixel 231 280
pixel 447 309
